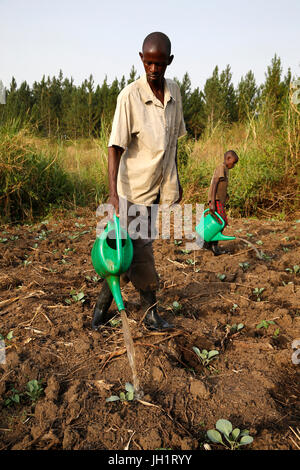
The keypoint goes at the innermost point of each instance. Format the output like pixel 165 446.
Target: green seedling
pixel 190 261
pixel 9 336
pixel 128 396
pixel 114 322
pixel 276 333
pixel 235 328
pixel 294 270
pixel 26 262
pixel 76 297
pixel 177 242
pixel 14 237
pixel 249 235
pixel 244 266
pixel 205 356
pixel 221 277
pixel 93 278
pixel 259 242
pixel 14 398
pixel 258 291
pixel 78 234
pixel 34 390
pixel 79 225
pixel 176 306
pixel 3 240
pixel 185 252
pixel 265 324
pixel 285 249
pixel 265 256
pixel 234 438
pixel 42 235
pixel 234 307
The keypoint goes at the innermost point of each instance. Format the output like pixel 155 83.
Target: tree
pixel 246 96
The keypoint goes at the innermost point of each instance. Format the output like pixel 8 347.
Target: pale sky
pixel 40 37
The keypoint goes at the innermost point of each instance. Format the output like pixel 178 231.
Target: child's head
pixel 230 159
pixel 156 56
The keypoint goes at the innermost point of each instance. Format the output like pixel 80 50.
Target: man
pixel 142 165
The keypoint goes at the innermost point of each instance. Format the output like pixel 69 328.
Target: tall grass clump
pixel 34 178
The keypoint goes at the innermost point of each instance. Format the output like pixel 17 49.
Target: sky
pixel 40 37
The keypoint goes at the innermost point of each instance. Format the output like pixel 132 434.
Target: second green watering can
pixel 112 255
pixel 210 230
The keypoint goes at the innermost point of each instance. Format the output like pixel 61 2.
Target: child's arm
pixel 212 204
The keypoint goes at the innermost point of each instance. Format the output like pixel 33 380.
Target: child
pixel 217 194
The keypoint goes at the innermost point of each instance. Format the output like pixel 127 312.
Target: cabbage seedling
pixel 205 356
pixel 235 328
pixel 265 324
pixel 258 291
pixel 244 266
pixel 128 396
pixel 234 438
pixel 34 390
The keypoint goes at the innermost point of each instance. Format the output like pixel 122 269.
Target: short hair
pixel 232 153
pixel 158 39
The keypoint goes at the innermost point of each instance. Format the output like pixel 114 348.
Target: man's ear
pixel 171 59
pixel 141 56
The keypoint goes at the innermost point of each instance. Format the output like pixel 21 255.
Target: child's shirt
pixel 222 174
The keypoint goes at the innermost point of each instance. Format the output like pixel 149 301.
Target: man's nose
pixel 153 68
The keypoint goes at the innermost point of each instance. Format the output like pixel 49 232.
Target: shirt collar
pixel 148 95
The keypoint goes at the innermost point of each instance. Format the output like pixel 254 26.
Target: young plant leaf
pixel 112 398
pixel 214 436
pixel 212 353
pixel 245 440
pixel 224 426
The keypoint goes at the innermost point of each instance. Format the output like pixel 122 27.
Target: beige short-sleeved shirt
pixel 148 131
pixel 222 174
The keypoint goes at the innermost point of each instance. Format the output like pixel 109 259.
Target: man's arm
pixel 114 157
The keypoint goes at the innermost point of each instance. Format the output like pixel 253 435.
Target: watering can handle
pixel 118 240
pixel 218 215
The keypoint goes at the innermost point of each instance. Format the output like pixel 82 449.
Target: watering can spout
pixel 220 237
pixel 114 285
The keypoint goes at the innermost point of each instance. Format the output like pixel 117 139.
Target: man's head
pixel 230 159
pixel 156 56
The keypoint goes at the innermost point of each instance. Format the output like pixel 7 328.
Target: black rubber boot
pixel 152 320
pixel 207 245
pixel 216 250
pixel 103 303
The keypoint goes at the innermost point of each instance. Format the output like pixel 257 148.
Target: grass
pixel 38 174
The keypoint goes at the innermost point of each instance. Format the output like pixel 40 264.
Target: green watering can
pixel 209 229
pixel 112 255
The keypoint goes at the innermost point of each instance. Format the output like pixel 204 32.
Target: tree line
pixel 58 108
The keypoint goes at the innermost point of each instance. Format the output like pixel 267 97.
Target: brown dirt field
pixel 253 382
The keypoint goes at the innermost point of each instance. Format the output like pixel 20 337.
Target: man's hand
pixel 114 201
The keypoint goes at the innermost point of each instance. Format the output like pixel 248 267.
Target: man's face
pixel 155 64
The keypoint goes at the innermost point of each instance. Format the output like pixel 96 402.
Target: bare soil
pixel 253 382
